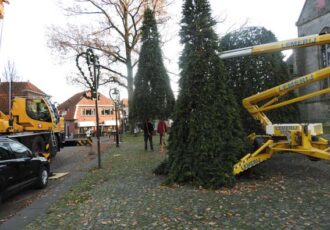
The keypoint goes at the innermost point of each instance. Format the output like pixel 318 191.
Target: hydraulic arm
pixel 298 138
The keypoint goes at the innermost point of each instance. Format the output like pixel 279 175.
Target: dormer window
pixel 88 112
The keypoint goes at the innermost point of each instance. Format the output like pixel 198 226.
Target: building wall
pixel 80 115
pixel 309 60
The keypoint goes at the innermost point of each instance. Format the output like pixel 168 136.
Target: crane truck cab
pixel 297 138
pixel 34 121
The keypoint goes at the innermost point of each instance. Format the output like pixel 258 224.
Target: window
pixel 88 112
pixel 37 110
pixel 325 55
pixel 106 111
pixel 4 151
pixel 19 150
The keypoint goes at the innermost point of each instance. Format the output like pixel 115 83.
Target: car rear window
pixel 4 151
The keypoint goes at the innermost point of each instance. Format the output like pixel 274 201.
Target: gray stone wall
pixel 309 60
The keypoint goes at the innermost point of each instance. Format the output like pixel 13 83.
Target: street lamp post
pixel 117 133
pixel 121 118
pixel 115 96
pixel 92 79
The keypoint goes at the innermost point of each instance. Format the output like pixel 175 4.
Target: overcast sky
pixel 24 36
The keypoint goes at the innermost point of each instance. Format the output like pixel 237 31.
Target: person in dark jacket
pixel 148 129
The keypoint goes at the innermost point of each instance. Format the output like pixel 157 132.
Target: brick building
pixel 80 115
pixel 314 19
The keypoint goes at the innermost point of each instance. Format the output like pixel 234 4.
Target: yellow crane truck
pixel 297 138
pixel 34 121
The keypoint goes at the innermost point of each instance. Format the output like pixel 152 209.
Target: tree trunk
pixel 130 83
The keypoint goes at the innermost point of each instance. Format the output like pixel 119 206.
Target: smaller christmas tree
pixel 153 96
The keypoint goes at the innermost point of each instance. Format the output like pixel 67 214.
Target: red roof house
pixel 80 114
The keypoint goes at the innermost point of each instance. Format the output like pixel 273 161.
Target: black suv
pixel 19 168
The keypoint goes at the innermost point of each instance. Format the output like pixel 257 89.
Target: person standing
pixel 148 128
pixel 161 129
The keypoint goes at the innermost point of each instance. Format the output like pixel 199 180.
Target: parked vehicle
pixel 20 168
pixel 34 122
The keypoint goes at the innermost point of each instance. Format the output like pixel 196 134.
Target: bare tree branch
pixel 10 73
pixel 113 71
pixel 111 28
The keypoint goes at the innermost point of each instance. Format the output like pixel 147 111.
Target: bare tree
pixel 111 28
pixel 10 73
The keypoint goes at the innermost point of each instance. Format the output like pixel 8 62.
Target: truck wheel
pixel 38 145
pixel 42 178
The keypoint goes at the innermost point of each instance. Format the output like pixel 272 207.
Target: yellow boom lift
pixel 298 138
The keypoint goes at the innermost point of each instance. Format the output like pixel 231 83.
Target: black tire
pixel 38 145
pixel 42 178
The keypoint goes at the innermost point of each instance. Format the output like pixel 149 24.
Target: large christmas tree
pixel 206 136
pixel 153 96
pixel 252 74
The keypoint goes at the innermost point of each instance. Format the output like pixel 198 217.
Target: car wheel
pixel 42 178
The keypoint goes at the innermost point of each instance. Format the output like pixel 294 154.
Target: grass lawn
pixel 292 193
